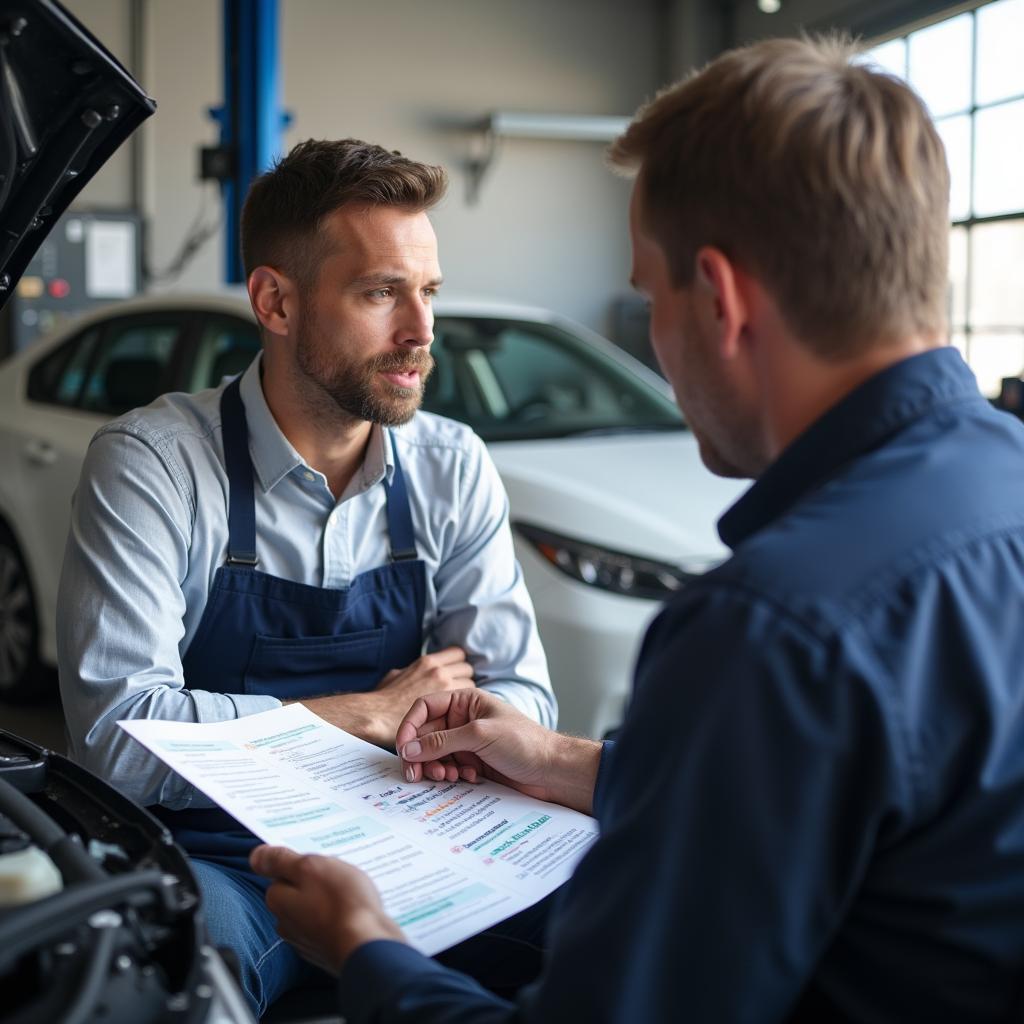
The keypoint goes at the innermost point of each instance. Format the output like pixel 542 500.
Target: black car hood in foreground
pixel 65 105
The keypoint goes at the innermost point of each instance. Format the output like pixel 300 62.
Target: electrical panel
pixel 90 259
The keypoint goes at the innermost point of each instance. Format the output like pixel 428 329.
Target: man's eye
pixel 382 293
pixel 430 292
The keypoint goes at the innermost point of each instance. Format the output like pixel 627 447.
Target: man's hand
pixel 375 716
pixel 325 908
pixel 471 734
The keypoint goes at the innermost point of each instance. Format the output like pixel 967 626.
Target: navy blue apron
pixel 267 635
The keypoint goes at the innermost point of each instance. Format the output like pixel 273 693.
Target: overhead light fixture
pixel 769 6
pixel 504 124
pixel 586 128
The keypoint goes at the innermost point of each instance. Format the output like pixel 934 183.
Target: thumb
pixel 433 745
pixel 274 861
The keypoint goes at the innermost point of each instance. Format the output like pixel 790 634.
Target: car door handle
pixel 40 453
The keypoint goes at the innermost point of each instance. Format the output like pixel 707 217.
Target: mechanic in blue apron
pixel 267 635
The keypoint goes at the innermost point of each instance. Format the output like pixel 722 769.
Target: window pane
pixel 955 133
pixel 999 159
pixel 227 346
pixel 993 357
pixel 957 278
pixel 997 259
pixel 959 341
pixel 890 56
pixel 1000 51
pixel 131 367
pixel 58 377
pixel 940 65
pixel 515 379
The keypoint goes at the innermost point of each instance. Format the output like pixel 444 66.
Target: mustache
pixel 402 362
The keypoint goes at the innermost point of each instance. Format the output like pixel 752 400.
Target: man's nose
pixel 418 325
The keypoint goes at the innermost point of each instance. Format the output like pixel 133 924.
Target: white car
pixel 611 508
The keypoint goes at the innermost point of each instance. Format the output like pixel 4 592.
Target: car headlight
pixel 617 571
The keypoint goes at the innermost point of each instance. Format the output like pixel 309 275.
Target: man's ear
pixel 718 284
pixel 273 299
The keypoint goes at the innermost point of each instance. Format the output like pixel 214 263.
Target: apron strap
pixel 241 496
pixel 403 540
pixel 241 499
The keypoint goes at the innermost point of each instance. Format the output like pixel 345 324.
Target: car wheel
pixel 20 672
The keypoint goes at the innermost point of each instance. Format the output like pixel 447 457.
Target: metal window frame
pixel 968 327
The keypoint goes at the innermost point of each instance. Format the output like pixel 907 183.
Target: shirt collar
pixel 274 457
pixel 860 421
pixel 378 463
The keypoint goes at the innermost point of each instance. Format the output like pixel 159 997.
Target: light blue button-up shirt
pixel 149 531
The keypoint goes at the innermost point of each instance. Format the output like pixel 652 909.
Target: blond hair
pixel 824 178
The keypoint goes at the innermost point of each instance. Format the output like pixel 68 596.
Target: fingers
pixel 445 656
pixel 442 714
pixel 275 862
pixel 432 746
pixel 432 706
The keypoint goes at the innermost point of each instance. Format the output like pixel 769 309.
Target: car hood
pixel 646 494
pixel 65 105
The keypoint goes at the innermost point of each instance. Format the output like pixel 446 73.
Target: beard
pixel 356 387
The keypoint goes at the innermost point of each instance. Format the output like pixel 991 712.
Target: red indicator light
pixel 58 288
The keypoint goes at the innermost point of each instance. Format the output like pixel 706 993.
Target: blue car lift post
pixel 251 120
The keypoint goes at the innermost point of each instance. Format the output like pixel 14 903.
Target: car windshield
pixel 519 380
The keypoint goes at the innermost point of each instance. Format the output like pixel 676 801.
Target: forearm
pixel 372 716
pixel 573 763
pixel 98 743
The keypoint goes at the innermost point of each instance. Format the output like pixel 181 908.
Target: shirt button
pixel 308 475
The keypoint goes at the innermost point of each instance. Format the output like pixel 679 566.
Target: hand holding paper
pixel 448 858
pixel 324 907
pixel 487 738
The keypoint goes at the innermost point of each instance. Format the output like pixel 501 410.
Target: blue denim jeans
pixel 502 959
pixel 237 919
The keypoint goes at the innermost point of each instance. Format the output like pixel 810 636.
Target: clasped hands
pixel 327 909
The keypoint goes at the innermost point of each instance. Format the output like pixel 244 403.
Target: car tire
pixel 23 680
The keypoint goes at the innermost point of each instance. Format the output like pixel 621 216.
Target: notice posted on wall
pixel 110 261
pixel 449 859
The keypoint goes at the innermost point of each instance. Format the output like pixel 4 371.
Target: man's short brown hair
pixel 285 207
pixel 822 177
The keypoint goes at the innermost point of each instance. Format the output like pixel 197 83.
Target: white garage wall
pixel 550 224
pixel 109 21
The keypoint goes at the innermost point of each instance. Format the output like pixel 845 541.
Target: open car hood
pixel 65 105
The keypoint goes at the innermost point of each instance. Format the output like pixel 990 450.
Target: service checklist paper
pixel 449 859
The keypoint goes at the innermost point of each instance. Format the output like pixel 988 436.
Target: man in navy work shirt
pixel 298 534
pixel 815 811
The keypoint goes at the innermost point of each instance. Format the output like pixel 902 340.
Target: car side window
pixel 130 366
pixel 57 377
pixel 226 347
pixel 514 380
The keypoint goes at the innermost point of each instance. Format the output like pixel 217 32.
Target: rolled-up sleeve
pixel 120 611
pixel 482 602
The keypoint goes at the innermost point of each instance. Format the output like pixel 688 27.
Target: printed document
pixel 449 859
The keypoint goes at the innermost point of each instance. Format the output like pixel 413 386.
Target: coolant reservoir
pixel 26 873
